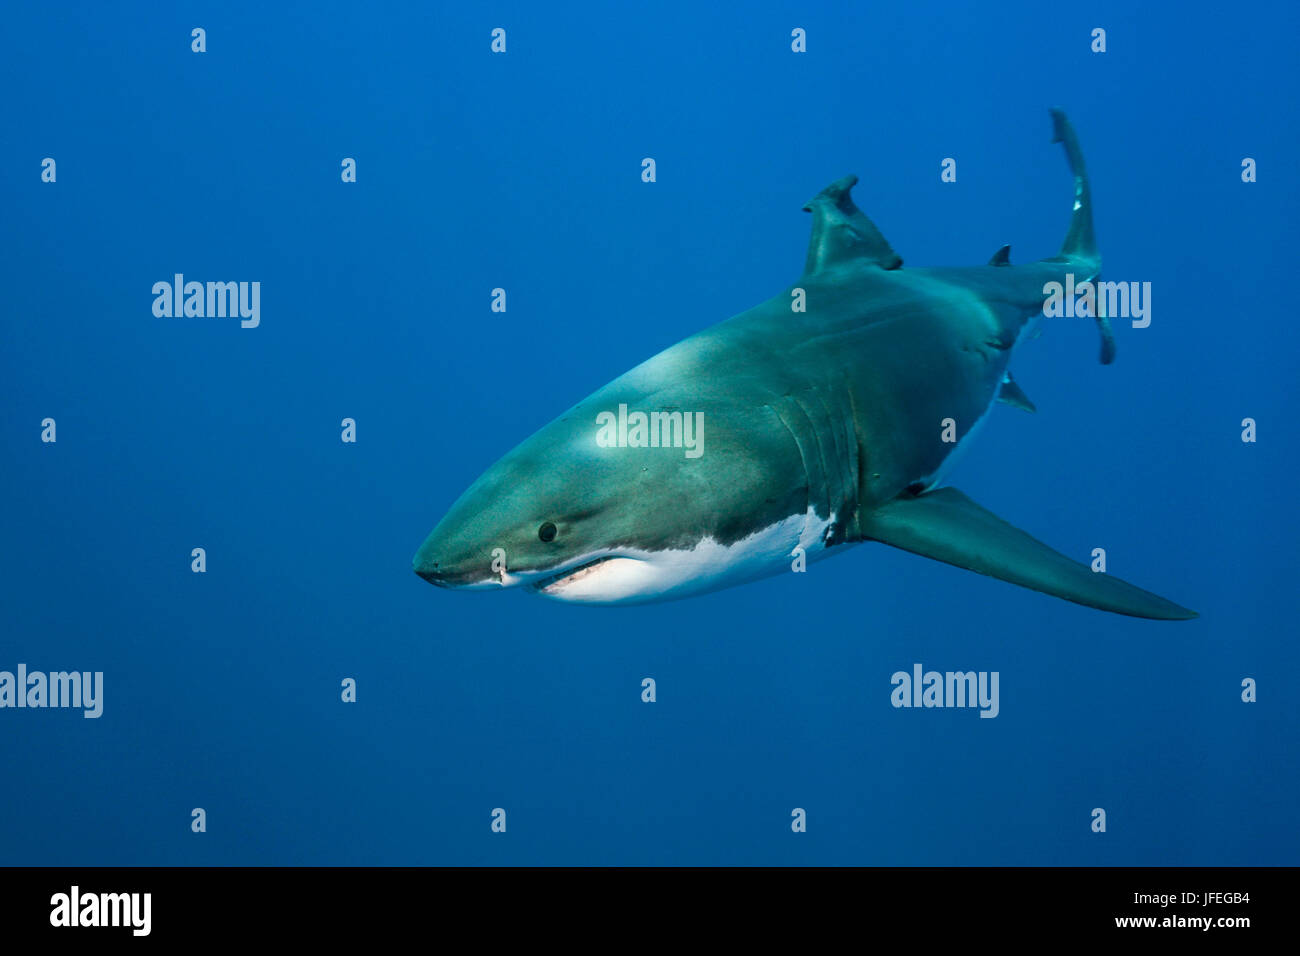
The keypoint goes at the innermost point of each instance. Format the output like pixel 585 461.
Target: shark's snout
pixel 430 563
pixel 427 567
pixel 432 575
pixel 446 576
pixel 444 565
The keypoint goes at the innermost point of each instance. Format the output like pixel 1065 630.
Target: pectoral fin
pixel 1012 394
pixel 949 527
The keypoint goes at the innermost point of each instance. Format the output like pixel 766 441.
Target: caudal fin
pixel 1080 241
pixel 1080 246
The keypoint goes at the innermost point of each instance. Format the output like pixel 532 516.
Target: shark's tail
pixel 1080 246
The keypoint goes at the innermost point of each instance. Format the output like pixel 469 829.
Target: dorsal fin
pixel 841 232
pixel 1002 257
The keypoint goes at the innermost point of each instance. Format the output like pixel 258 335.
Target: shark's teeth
pixel 570 574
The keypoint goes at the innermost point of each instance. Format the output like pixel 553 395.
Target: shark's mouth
pixel 555 582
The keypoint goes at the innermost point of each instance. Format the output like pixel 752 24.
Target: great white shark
pixel 815 430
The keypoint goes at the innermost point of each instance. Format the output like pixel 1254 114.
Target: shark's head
pixel 576 516
pixel 559 515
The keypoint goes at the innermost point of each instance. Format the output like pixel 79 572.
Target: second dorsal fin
pixel 841 232
pixel 1002 257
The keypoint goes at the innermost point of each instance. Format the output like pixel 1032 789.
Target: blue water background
pixel 522 171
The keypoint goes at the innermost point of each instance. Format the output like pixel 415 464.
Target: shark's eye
pixel 547 531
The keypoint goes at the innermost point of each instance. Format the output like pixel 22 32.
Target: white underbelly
pixel 632 576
